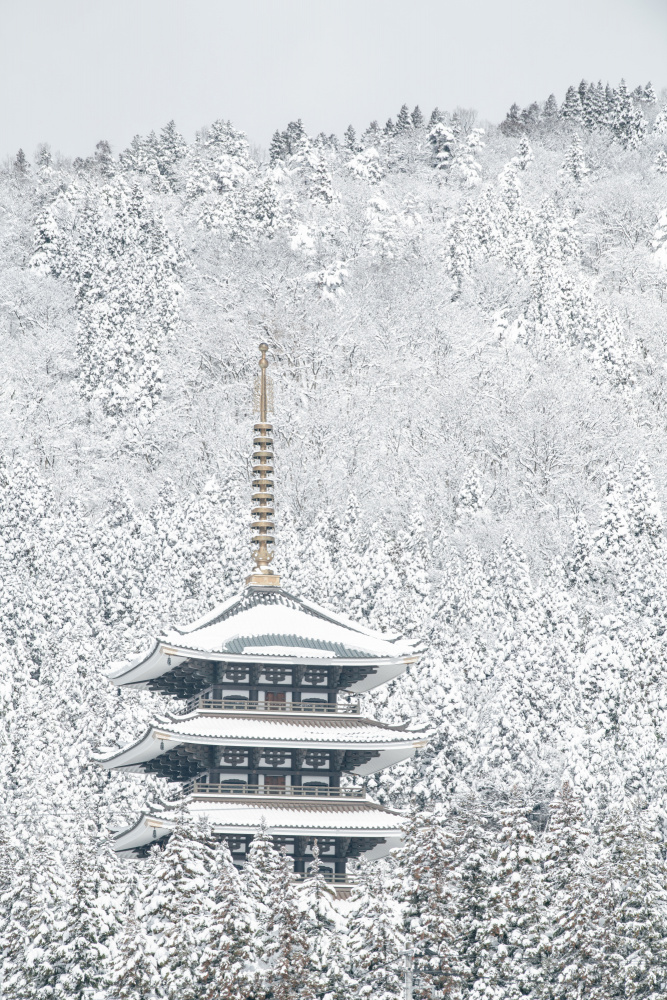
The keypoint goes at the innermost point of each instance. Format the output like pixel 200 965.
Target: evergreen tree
pixel 225 968
pixel 627 121
pixel 566 844
pixel 417 117
pixel 94 917
pixel 441 140
pixel 375 942
pixel 660 162
pixel 524 154
pixel 650 96
pixel 427 859
pixel 403 120
pixel 179 904
pixel 571 110
pixel 372 135
pixel 103 158
pixel 327 974
pixel 278 149
pixel 512 124
pixel 437 117
pixel 515 933
pixel 574 165
pixel 530 117
pixel 21 165
pixel 34 907
pixel 550 111
pixel 389 128
pixel 350 139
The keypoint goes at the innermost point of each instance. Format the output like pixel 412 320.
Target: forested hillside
pixel 467 338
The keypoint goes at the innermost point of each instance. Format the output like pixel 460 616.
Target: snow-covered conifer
pixel 524 154
pixel 404 119
pixel 571 110
pixel 418 120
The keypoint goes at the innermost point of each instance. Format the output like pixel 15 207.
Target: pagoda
pixel 270 732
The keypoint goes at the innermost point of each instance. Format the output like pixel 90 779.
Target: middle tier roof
pixel 236 729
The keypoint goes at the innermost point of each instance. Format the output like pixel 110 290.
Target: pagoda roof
pixel 301 818
pixel 233 729
pixel 269 625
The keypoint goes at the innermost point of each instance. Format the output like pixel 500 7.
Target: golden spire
pixel 263 525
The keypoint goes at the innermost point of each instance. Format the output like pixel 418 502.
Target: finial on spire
pixel 263 525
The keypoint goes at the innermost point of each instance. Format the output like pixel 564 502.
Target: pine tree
pixel 21 165
pixel 531 117
pixel 225 968
pixel 550 111
pixel 375 942
pixel 516 914
pixel 571 110
pixel 644 514
pixel 403 120
pixel 327 974
pixel 389 128
pixel 372 135
pixel 278 149
pixel 35 906
pixel 624 930
pixel 286 948
pixel 437 117
pixel 524 154
pixel 566 843
pixel 512 124
pixel 650 96
pixel 441 140
pixel 627 122
pixel 417 117
pixel 350 139
pixel 427 859
pixel 104 158
pixel 91 922
pixel 178 906
pixel 574 165
pixel 660 162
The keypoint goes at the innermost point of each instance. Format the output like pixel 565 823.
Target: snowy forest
pixel 466 324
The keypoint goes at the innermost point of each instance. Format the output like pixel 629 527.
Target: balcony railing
pixel 334 878
pixel 285 791
pixel 206 704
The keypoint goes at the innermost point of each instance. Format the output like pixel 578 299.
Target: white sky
pixel 76 71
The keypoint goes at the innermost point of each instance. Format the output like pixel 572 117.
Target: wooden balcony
pixel 284 791
pixel 205 704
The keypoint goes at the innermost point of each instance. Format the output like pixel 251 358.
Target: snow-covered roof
pixel 243 731
pixel 350 819
pixel 273 626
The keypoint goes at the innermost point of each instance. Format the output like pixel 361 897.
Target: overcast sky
pixel 76 71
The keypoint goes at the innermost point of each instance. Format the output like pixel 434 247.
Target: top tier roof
pixel 269 625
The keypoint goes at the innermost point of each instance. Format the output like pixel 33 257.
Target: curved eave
pixel 280 820
pixel 163 657
pixel 158 740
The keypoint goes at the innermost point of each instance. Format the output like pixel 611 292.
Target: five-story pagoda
pixel 270 723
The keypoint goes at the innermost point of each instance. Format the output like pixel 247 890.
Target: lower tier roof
pixel 231 730
pixel 281 819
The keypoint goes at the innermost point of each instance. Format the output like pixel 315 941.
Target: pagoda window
pixel 316 675
pixel 236 673
pixel 236 845
pixel 317 758
pixel 234 757
pixel 275 758
pixel 275 675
